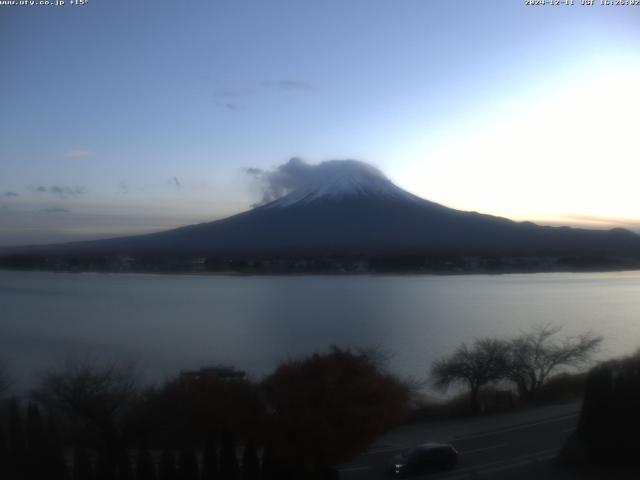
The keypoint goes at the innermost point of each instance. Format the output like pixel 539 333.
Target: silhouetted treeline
pixel 195 404
pixel 24 262
pixel 30 447
pixel 213 423
pixel 33 450
pixel 610 418
pixel 320 263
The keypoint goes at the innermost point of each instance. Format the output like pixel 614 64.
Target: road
pixel 519 445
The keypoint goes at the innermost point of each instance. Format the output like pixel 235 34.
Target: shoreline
pixel 407 273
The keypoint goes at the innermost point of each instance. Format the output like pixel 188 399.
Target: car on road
pixel 425 458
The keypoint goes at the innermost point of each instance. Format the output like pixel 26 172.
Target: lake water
pixel 173 322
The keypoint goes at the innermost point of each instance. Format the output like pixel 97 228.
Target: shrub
pixel 329 407
pixel 610 418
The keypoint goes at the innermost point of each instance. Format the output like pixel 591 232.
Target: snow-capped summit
pixel 340 179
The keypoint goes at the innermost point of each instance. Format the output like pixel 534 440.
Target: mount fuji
pixel 349 207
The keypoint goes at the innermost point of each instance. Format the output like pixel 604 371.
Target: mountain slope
pixel 353 208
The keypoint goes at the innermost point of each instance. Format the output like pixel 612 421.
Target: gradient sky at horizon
pixel 123 117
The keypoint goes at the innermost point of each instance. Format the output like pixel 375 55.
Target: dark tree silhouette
pixel 123 463
pixel 229 468
pixel 194 404
pixel 93 396
pixel 274 467
pixel 484 362
pixel 329 473
pixel 268 468
pixel 210 468
pixel 328 407
pixel 36 452
pixel 35 428
pixel 17 441
pixel 534 356
pixel 16 426
pixel 610 419
pixel 105 468
pixel 4 450
pixel 56 462
pixel 167 468
pixel 250 462
pixel 82 466
pixel 145 467
pixel 188 464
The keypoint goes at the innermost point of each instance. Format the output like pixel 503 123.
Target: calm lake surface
pixel 173 322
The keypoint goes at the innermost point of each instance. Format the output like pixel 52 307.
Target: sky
pixel 121 117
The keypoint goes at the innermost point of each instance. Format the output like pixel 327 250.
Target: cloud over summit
pixel 297 173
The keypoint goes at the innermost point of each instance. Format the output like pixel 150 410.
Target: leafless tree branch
pixel 89 393
pixel 534 356
pixel 475 366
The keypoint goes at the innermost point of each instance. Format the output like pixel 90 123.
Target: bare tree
pixel 483 362
pixel 92 395
pixel 534 356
